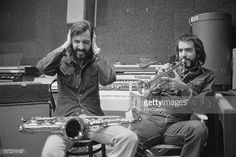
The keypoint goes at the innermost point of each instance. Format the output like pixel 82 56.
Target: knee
pixel 48 152
pixel 198 129
pixel 52 152
pixel 54 147
pixel 130 137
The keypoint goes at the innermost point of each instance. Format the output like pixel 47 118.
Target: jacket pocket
pixel 90 77
pixel 67 69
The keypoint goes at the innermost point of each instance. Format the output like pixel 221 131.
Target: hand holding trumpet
pixel 167 79
pixel 175 83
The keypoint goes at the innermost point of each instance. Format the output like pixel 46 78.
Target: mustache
pixel 82 50
pixel 185 58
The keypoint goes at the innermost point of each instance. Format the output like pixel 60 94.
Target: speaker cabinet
pixel 13 142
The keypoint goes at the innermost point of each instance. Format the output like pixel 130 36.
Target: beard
pixel 82 54
pixel 190 63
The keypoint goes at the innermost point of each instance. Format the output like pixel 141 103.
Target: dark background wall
pixel 126 29
pixel 130 29
pixel 32 27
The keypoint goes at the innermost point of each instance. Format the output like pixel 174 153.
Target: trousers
pixel 190 134
pixel 123 141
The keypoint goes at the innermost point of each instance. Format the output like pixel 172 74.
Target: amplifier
pixel 19 92
pixel 14 143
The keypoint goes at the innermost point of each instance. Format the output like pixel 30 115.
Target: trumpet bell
pixel 156 84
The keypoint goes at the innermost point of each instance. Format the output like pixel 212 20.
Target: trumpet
pixel 156 84
pixel 73 128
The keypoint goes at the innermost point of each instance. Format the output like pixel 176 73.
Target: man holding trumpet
pixel 167 115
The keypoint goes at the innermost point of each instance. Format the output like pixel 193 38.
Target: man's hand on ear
pixel 67 44
pixel 96 50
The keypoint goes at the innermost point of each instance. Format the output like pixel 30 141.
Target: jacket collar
pixel 192 73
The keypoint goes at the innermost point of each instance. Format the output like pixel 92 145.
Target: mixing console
pixel 120 86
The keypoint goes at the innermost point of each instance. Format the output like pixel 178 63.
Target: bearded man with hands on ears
pixel 80 67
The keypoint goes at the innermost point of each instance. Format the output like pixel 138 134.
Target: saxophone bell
pixel 74 129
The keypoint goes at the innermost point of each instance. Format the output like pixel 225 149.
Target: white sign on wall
pixel 75 10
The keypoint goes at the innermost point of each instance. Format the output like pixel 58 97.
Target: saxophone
pixel 73 128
